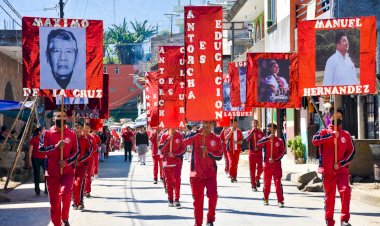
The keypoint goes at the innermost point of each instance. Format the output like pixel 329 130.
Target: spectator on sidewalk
pixel 142 142
pixel 36 159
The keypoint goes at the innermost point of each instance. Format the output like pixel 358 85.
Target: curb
pixel 366 197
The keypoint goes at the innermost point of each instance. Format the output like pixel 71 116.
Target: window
pixel 105 70
pixel 272 20
pixel 117 70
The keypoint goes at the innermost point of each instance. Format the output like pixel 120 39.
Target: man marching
pixel 273 153
pixel 60 184
pixel 234 138
pixel 91 161
pixel 335 172
pixel 157 161
pixel 255 154
pixel 85 148
pixel 225 153
pixel 171 146
pixel 207 147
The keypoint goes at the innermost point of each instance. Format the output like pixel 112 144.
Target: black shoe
pixel 210 224
pixel 155 182
pixel 88 195
pixel 171 204
pixel 345 223
pixel 38 193
pixel 162 179
pixel 81 207
pixel 46 192
pixel 258 183
pixel 166 190
pixel 65 223
pixel 254 188
pixel 177 204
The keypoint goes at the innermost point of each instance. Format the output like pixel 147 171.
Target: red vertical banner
pixel 151 97
pixel 238 82
pixel 204 62
pixel 171 87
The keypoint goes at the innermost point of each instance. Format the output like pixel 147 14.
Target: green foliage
pixel 110 121
pixel 297 147
pixel 128 44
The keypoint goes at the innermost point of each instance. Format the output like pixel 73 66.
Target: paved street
pixel 124 194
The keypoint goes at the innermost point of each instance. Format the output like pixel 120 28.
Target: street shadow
pixel 239 198
pixel 366 214
pixel 107 212
pixel 231 211
pixel 157 217
pixel 24 216
pixel 114 167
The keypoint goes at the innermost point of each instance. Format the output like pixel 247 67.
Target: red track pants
pixel 79 179
pixel 255 167
pixel 173 181
pixel 331 181
pixel 60 188
pixel 233 157
pixel 198 188
pixel 227 167
pixel 273 170
pixel 89 174
pixel 96 163
pixel 157 163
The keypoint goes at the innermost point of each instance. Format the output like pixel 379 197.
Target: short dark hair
pixel 339 109
pixel 339 36
pixel 78 124
pixel 269 125
pixel 37 130
pixel 61 34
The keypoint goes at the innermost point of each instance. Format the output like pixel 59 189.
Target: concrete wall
pixel 362 164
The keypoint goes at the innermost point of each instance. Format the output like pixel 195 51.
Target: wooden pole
pixel 204 144
pixel 19 148
pixel 171 141
pixel 62 129
pixel 271 144
pixel 13 125
pixel 319 114
pixel 74 118
pixel 335 129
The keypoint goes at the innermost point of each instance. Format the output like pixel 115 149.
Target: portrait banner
pixel 99 107
pixel 151 97
pixel 238 77
pixel 337 56
pixel 171 87
pixel 272 80
pixel 204 62
pixel 62 57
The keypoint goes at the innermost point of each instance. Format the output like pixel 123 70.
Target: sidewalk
pixel 365 192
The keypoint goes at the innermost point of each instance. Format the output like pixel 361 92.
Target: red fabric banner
pixel 272 80
pixel 171 87
pixel 151 97
pixel 102 104
pixel 62 57
pixel 337 56
pixel 204 62
pixel 233 70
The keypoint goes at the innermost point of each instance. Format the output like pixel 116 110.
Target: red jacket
pixel 222 137
pixel 278 149
pixel 177 148
pixel 230 144
pixel 70 150
pixel 85 149
pixel 204 165
pixel 154 143
pixel 325 140
pixel 253 137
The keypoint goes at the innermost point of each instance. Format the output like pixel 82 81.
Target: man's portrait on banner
pixel 273 85
pixel 62 58
pixel 337 57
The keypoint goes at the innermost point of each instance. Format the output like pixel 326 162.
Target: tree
pixel 128 44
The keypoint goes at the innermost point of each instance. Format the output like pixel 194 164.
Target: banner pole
pixel 335 129
pixel 319 114
pixel 61 154
pixel 271 144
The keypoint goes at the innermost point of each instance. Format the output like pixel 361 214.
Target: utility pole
pixel 171 16
pixel 61 9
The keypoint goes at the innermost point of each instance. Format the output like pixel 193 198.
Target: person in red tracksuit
pixel 273 153
pixel 91 160
pixel 96 153
pixel 335 175
pixel 255 154
pixel 85 148
pixel 225 154
pixel 157 161
pixel 207 147
pixel 172 164
pixel 234 138
pixel 60 185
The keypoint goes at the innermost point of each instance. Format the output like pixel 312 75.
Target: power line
pixel 10 16
pixel 13 9
pixel 85 9
pixel 76 4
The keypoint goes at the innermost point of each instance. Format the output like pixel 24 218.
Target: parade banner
pixel 171 87
pixel 204 62
pixel 151 97
pixel 337 56
pixel 272 80
pixel 238 77
pixel 95 108
pixel 62 57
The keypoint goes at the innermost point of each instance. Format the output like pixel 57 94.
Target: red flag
pixel 204 60
pixel 272 80
pixel 237 72
pixel 44 71
pixel 151 96
pixel 171 86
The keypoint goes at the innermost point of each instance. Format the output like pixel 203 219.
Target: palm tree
pixel 128 45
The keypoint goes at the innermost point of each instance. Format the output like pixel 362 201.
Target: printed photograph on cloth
pixel 338 57
pixel 273 80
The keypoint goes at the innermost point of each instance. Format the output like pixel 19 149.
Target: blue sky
pixel 151 10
